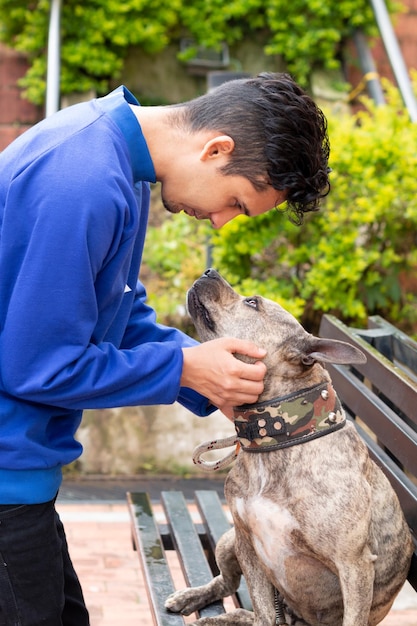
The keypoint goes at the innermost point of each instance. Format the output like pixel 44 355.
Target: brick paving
pixel 101 548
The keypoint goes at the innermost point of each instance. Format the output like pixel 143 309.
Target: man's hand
pixel 211 369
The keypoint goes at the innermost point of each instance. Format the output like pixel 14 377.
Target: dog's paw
pixel 185 601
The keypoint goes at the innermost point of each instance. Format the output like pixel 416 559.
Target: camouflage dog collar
pixel 287 421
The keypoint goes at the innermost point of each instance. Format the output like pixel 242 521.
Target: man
pixel 76 332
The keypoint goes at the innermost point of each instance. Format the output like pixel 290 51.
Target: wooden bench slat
pixel 187 543
pixel 159 583
pixel 402 349
pixel 390 429
pixel 405 489
pixel 212 514
pixel 216 524
pixel 385 376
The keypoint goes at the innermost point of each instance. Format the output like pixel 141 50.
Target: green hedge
pixel 97 34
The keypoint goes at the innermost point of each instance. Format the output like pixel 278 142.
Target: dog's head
pixel 293 355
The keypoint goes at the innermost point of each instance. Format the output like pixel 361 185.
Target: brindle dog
pixel 317 525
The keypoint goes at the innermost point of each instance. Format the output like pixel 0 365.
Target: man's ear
pixel 222 145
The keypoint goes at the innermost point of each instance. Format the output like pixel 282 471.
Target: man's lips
pixel 198 215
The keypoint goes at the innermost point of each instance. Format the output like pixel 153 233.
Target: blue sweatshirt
pixel 75 330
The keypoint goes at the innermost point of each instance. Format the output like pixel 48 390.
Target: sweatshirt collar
pixel 116 105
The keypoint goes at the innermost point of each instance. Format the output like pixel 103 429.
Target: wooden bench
pixel 380 396
pixel 193 542
pixel 398 347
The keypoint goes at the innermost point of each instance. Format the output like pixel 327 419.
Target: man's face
pixel 212 195
pixel 193 181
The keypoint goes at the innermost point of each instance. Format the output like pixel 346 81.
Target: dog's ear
pixel 332 351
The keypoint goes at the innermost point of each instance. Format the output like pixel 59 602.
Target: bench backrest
pixel 392 343
pixel 381 397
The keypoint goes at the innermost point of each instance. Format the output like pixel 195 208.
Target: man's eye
pixel 253 302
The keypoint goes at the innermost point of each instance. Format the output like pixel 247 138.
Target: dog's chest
pixel 270 526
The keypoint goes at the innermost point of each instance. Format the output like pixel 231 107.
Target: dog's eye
pixel 253 302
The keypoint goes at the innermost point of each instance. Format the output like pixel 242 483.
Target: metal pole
pixel 54 59
pixel 369 70
pixel 395 57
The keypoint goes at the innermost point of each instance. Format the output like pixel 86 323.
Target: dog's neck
pixel 289 420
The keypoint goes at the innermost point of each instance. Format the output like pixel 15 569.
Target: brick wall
pixel 16 114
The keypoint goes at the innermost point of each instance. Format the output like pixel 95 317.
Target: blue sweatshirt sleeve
pixel 143 327
pixel 66 242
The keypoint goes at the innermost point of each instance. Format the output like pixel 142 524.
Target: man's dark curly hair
pixel 280 136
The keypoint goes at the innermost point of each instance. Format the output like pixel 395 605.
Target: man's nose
pixel 222 217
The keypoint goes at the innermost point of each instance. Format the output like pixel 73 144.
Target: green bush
pixel 353 258
pixel 176 253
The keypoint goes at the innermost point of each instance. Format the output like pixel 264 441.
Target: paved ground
pixel 98 530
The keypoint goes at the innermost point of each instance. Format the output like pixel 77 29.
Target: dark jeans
pixel 38 584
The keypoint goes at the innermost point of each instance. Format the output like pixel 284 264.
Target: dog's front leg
pixel 260 588
pixel 357 580
pixel 187 601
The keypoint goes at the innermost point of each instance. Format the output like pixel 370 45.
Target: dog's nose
pixel 210 273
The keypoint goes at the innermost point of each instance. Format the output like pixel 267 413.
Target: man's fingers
pixel 247 348
pixel 255 371
pixel 212 370
pixel 240 391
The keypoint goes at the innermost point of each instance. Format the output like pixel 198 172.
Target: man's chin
pixel 170 207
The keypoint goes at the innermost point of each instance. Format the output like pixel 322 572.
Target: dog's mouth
pixel 198 311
